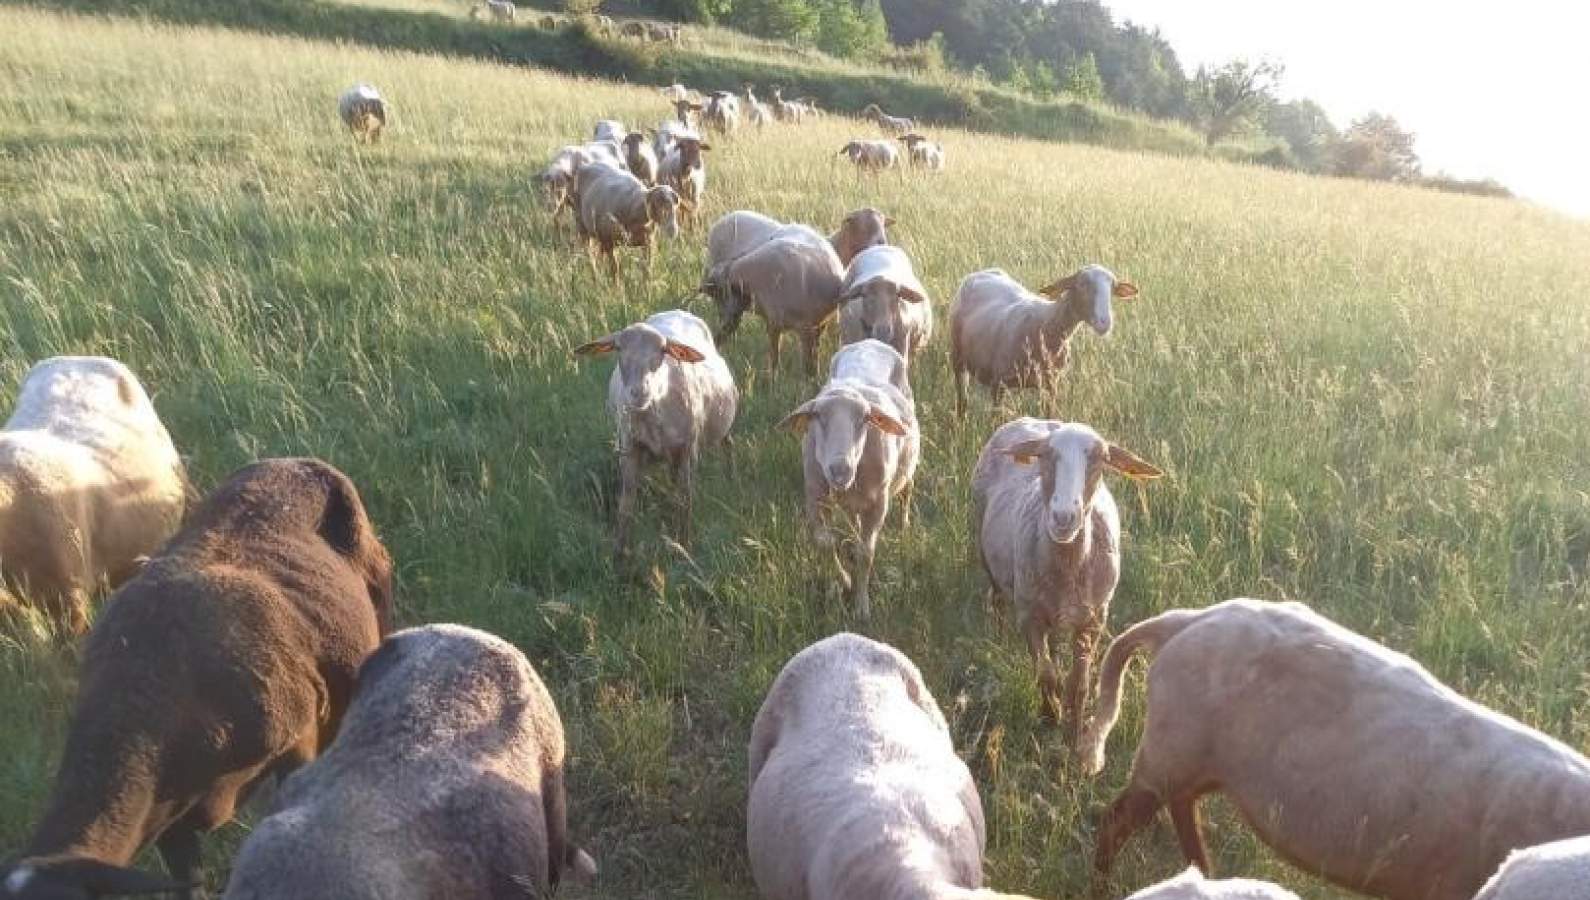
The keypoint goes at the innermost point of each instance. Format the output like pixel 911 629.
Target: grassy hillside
pixel 1372 399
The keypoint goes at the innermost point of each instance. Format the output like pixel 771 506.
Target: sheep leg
pixel 773 338
pixel 961 379
pixel 179 848
pixel 628 488
pixel 685 481
pixel 809 350
pixel 905 504
pixel 1184 815
pixel 1132 810
pixel 871 522
pixel 1048 679
pixel 1084 642
pixel 612 263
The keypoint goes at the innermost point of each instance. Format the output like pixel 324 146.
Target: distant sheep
pixel 788 110
pixel 883 299
pixel 89 484
pixel 757 112
pixel 1349 759
pixel 1191 885
pixel 792 279
pixel 859 450
pixel 453 735
pixel 671 397
pixel 640 158
pixel 559 179
pixel 862 228
pixel 228 660
pixel 497 10
pixel 871 156
pixel 923 153
pixel 604 25
pixel 1555 871
pixel 685 171
pixel 616 208
pixel 1005 336
pixel 634 30
pixel 890 124
pixel 548 23
pixel 363 111
pixel 664 34
pixel 722 114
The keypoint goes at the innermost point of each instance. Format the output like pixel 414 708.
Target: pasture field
pixel 1372 399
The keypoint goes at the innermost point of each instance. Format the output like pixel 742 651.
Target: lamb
pixel 860 229
pixel 890 124
pixel 792 279
pixel 1005 336
pixel 229 658
pixel 1348 758
pixel 883 299
pixel 616 208
pixel 1556 871
pixel 363 111
pixel 610 131
pixel 722 113
pixel 756 112
pixel 871 156
pixel 499 10
pixel 1049 537
pixel 671 397
pixel 1191 885
pixel 860 448
pixel 89 484
pixel 923 153
pixel 684 170
pixel 640 158
pixel 446 780
pixel 855 787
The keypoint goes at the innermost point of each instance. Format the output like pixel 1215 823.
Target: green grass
pixel 1370 398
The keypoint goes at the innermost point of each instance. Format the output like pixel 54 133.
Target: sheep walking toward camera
pixel 756 112
pixel 1349 759
pixel 1556 871
pixel 1191 885
pixel 640 158
pixel 671 397
pixel 1049 537
pixel 616 208
pixel 855 787
pixel 860 229
pixel 791 279
pixel 363 111
pixel 871 156
pixel 453 741
pixel 923 153
pixel 890 124
pixel 883 299
pixel 1005 336
pixel 859 449
pixel 722 113
pixel 685 171
pixel 90 484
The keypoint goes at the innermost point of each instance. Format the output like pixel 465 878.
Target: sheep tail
pixel 1151 634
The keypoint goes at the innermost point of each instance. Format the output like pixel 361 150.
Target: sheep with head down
pixel 883 299
pixel 923 153
pixel 860 229
pixel 558 181
pixel 364 112
pixel 446 780
pixel 792 279
pixel 616 208
pixel 871 156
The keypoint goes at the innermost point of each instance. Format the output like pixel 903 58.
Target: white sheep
pixel 89 484
pixel 871 156
pixel 923 153
pixel 1006 336
pixel 859 230
pixel 610 131
pixel 559 179
pixel 1348 758
pixel 676 92
pixel 792 279
pixel 722 113
pixel 1191 885
pixel 736 234
pixel 883 299
pixel 667 134
pixel 1049 537
pixel 498 10
pixel 859 449
pixel 604 25
pixel 890 124
pixel 787 110
pixel 685 171
pixel 1556 871
pixel 640 158
pixel 757 112
pixel 855 787
pixel 671 397
pixel 363 111
pixel 616 208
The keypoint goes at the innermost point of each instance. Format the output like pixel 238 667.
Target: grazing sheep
pixel 558 179
pixel 787 110
pixel 855 787
pixel 1555 871
pixel 640 158
pixel 860 448
pixel 923 153
pixel 883 299
pixel 871 156
pixel 684 170
pixel 229 658
pixel 890 124
pixel 1191 885
pixel 792 279
pixel 498 10
pixel 446 780
pixel 1005 336
pixel 1349 759
pixel 860 229
pixel 89 484
pixel 722 113
pixel 610 131
pixel 634 30
pixel 616 208
pixel 757 112
pixel 671 397
pixel 664 34
pixel 736 234
pixel 363 111
pixel 1049 537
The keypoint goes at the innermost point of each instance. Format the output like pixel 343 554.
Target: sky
pixel 1491 90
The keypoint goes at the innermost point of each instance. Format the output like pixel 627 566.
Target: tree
pixel 1378 148
pixel 790 20
pixel 843 29
pixel 1307 131
pixel 1082 79
pixel 1228 99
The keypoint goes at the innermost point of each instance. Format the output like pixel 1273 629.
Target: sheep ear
pixel 911 294
pixel 1130 465
pixel 1124 290
pixel 600 345
pixel 706 146
pixel 1027 452
pixel 885 423
pixel 1058 289
pixel 683 352
pixel 798 420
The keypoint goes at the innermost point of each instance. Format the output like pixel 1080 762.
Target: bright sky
pixel 1495 90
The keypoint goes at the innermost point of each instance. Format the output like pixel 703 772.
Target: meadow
pixel 1372 399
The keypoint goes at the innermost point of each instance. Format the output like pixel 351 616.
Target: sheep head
pixel 1071 462
pixel 662 209
pixel 878 303
pixel 1089 292
pixel 835 426
pixel 643 355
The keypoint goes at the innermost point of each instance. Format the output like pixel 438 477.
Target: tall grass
pixel 1369 398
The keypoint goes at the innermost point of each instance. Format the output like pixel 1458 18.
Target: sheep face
pixel 1094 288
pixel 861 229
pixel 835 425
pixel 662 209
pixel 879 305
pixel 80 878
pixel 1071 461
pixel 643 354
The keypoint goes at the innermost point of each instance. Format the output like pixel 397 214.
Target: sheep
pixel 676 92
pixel 809 107
pixel 670 397
pixel 860 229
pixel 634 30
pixel 89 484
pixel 923 153
pixel 616 208
pixel 736 234
pixel 1191 885
pixel 549 23
pixel 664 34
pixel 363 111
pixel 1049 537
pixel 860 448
pixel 855 788
pixel 499 10
pixel 1005 336
pixel 883 299
pixel 640 158
pixel 1556 871
pixel 1348 758
pixel 610 131
pixel 787 110
pixel 890 124
pixel 792 279
pixel 722 113
pixel 667 134
pixel 446 780
pixel 871 156
pixel 558 179
pixel 684 170
pixel 229 658
pixel 756 112
pixel 604 25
